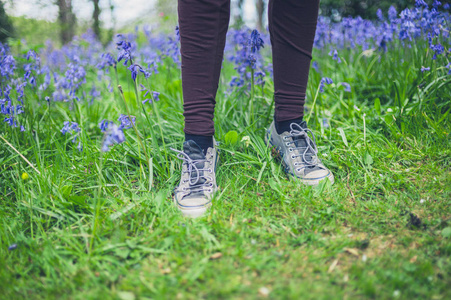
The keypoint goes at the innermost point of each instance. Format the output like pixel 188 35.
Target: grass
pixel 85 225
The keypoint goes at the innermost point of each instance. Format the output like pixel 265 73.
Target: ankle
pixel 283 126
pixel 204 142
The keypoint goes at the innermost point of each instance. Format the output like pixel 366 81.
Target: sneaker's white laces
pixel 191 166
pixel 298 131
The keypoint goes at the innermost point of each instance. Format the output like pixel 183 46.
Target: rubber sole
pixel 192 212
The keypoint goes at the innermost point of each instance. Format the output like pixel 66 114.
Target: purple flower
pixel 114 135
pixel 125 121
pixel 420 3
pixel 107 60
pixel 438 49
pixel 392 13
pixel 347 86
pixel 125 49
pixel 155 95
pixel 71 127
pixel 334 53
pixel 323 82
pixel 12 247
pixel 423 69
pixel 255 41
pixel 103 125
pixel 315 66
pixel 380 15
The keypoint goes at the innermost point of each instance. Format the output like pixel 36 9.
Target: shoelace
pixel 191 163
pixel 298 131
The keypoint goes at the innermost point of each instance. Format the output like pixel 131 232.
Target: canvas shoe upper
pixel 197 184
pixel 298 153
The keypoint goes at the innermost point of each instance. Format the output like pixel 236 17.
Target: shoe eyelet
pixel 285 138
pixel 211 184
pixel 290 149
pixel 210 170
pixel 292 156
pixel 298 170
pixel 287 143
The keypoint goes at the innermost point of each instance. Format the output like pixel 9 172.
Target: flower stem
pixel 139 137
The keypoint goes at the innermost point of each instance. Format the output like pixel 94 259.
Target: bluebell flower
pixel 423 69
pixel 71 127
pixel 255 41
pixel 125 49
pixel 438 49
pixel 125 121
pixel 103 125
pixel 420 3
pixel 315 66
pixel 380 15
pixel 392 13
pixel 347 86
pixel 334 53
pixel 107 60
pixel 114 135
pixel 323 82
pixel 12 247
pixel 155 95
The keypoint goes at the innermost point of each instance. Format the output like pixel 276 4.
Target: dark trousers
pixel 203 27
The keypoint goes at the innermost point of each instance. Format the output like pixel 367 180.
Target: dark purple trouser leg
pixel 292 26
pixel 203 27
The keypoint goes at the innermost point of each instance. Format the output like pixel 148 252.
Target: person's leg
pixel 203 26
pixel 292 26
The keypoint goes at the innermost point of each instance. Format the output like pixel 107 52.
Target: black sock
pixel 204 142
pixel 285 125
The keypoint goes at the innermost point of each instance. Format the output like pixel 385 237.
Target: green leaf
pixel 123 295
pixel 446 232
pixel 377 106
pixel 231 137
pixel 66 190
pixel 368 159
pixel 343 136
pixel 79 200
pixel 388 119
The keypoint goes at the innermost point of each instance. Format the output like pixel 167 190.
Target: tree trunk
pixel 239 17
pixel 260 10
pixel 95 17
pixel 66 19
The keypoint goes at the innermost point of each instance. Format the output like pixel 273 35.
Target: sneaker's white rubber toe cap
pixel 315 177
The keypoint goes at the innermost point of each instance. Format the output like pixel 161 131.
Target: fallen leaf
pixel 332 266
pixel 413 259
pixel 216 255
pixel 352 251
pixel 166 271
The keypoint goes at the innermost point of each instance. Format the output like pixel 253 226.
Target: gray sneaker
pixel 298 153
pixel 198 180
